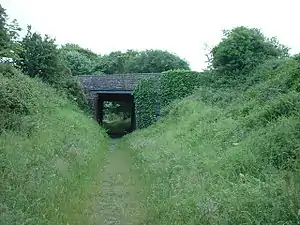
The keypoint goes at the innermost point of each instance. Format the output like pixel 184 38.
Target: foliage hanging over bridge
pixel 153 93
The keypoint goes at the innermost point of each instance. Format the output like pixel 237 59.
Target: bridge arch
pixel 114 87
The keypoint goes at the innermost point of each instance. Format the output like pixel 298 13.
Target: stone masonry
pixel 112 82
pixel 98 86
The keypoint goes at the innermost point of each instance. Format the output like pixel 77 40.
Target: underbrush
pixel 51 154
pixel 226 156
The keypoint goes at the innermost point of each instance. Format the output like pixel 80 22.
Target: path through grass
pixel 120 199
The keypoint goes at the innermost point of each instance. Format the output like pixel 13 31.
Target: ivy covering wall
pixel 145 102
pixel 153 93
pixel 176 84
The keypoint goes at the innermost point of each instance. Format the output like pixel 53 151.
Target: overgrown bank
pixel 225 154
pixel 51 153
pixel 229 153
pixel 226 163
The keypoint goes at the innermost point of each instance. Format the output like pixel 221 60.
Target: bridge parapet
pixel 112 82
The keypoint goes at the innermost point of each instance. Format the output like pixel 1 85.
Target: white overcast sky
pixel 179 26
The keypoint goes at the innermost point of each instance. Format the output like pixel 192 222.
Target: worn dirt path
pixel 119 195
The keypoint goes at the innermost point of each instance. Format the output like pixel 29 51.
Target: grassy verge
pixel 226 162
pixel 51 155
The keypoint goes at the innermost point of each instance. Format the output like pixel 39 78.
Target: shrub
pixel 153 93
pixel 177 84
pixel 74 92
pixel 40 58
pixel 154 61
pixel 241 50
pixel 18 99
pixel 145 98
pixel 78 63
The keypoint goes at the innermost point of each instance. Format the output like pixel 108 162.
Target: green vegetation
pixel 152 94
pixel 80 61
pixel 154 61
pixel 51 154
pixel 9 34
pixel 118 127
pixel 40 58
pixel 148 61
pixel 145 98
pixel 229 153
pixel 226 150
pixel 120 200
pixel 240 51
pixel 177 84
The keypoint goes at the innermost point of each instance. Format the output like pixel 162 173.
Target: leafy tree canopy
pixel 154 61
pixel 148 61
pixel 9 34
pixel 4 37
pixel 79 64
pixel 83 51
pixel 79 60
pixel 242 49
pixel 40 58
pixel 115 62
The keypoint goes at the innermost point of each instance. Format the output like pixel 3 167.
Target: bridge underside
pixel 114 96
pixel 112 87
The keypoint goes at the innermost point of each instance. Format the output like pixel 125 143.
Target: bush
pixel 153 93
pixel 145 98
pixel 75 93
pixel 154 61
pixel 40 58
pixel 18 99
pixel 177 84
pixel 78 63
pixel 241 50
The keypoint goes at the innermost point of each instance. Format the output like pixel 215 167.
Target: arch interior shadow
pixel 116 129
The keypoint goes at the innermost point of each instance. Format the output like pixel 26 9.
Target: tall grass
pixel 51 154
pixel 226 156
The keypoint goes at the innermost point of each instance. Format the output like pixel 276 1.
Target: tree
pixel 78 63
pixel 115 62
pixel 154 61
pixel 79 60
pixel 83 51
pixel 242 49
pixel 297 57
pixel 9 34
pixel 4 37
pixel 149 61
pixel 40 58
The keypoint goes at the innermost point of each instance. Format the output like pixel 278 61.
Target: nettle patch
pixel 153 94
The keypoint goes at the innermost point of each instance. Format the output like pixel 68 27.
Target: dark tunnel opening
pixel 116 113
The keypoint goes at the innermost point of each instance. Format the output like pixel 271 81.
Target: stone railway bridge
pixel 113 87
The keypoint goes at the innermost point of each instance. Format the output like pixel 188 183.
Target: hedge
pixel 145 98
pixel 153 93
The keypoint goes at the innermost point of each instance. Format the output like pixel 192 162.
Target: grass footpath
pixel 120 198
